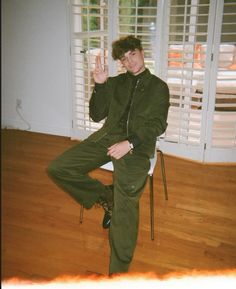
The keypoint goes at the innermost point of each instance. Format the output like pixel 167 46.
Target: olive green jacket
pixel 147 117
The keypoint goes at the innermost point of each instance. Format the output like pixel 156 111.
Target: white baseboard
pixel 36 127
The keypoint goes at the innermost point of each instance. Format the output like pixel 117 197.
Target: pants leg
pixel 70 171
pixel 130 175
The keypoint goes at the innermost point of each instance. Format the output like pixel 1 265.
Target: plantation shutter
pixel 200 72
pixel 221 134
pixel 186 31
pixel 190 44
pixel 89 37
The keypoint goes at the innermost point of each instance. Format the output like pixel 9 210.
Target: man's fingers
pixel 112 147
pixel 118 150
pixel 98 62
pixel 111 152
pixel 106 69
pixel 115 154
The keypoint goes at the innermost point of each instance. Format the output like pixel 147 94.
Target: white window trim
pixel 204 151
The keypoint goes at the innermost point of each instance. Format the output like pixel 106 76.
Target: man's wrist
pixel 131 146
pixel 98 87
pixel 135 140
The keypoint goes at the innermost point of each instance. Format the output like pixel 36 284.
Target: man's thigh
pixel 83 157
pixel 130 174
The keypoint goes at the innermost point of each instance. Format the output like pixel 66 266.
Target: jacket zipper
pixel 127 123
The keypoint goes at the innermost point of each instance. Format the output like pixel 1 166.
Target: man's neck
pixel 138 75
pixel 140 71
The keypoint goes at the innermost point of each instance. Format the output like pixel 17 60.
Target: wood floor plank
pixel 43 239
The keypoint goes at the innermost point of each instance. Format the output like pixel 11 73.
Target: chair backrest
pixel 109 166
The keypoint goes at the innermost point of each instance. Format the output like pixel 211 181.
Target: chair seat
pixel 109 166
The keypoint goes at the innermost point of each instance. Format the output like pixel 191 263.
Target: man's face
pixel 133 61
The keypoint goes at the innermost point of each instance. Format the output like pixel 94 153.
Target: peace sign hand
pixel 100 75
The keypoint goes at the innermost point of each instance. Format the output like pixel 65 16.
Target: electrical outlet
pixel 19 103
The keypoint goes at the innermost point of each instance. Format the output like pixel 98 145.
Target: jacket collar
pixel 143 76
pixel 144 79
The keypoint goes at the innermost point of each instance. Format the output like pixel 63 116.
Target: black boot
pixel 106 201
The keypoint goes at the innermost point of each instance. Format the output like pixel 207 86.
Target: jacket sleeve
pixel 156 123
pixel 99 102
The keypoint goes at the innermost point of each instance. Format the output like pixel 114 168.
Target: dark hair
pixel 125 44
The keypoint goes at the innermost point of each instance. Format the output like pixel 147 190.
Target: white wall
pixel 36 65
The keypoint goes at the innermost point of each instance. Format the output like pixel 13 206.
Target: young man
pixel 135 105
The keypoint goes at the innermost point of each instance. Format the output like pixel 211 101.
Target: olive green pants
pixel 70 171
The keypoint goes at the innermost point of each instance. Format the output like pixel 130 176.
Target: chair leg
pixel 163 172
pixel 81 214
pixel 151 206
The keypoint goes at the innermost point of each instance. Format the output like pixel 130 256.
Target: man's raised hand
pixel 100 75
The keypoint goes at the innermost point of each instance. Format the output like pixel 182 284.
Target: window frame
pixel 204 150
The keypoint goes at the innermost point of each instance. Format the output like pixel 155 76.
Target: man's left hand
pixel 119 149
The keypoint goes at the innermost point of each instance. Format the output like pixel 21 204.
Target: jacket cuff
pixel 98 86
pixel 134 139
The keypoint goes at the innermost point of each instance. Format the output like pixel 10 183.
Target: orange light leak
pixel 194 280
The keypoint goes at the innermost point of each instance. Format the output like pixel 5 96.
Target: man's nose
pixel 129 60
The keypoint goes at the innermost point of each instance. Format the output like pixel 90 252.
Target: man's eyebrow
pixel 130 51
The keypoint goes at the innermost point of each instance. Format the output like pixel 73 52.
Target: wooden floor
pixel 43 239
